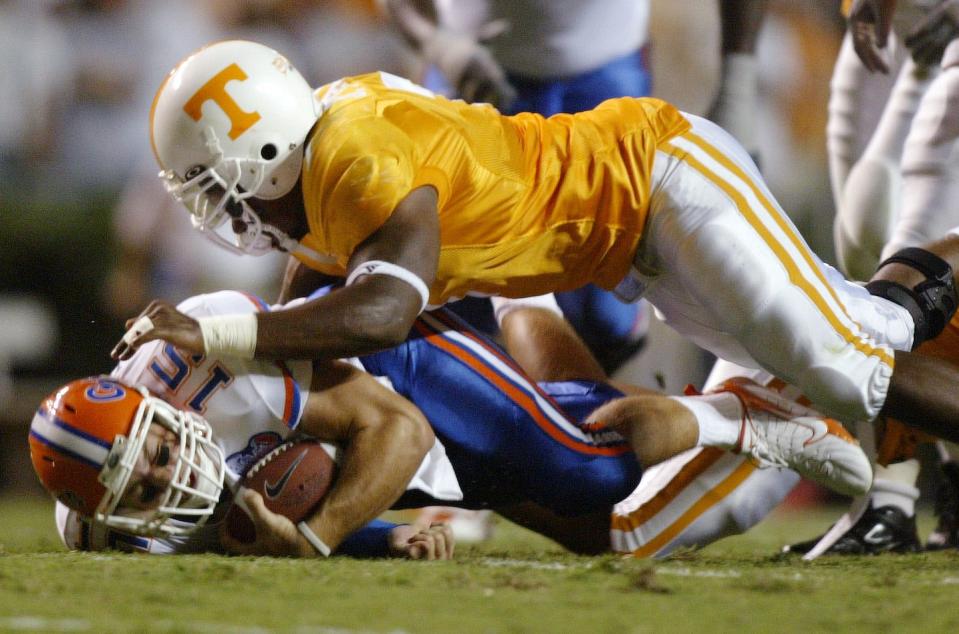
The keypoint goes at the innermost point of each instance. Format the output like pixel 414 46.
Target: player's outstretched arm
pixel 389 276
pixel 384 436
pixel 384 439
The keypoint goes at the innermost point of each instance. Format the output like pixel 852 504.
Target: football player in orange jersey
pixel 416 199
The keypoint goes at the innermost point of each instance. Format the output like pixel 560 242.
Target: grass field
pixel 515 583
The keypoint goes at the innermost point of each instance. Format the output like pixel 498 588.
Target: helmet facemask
pixel 196 485
pixel 218 193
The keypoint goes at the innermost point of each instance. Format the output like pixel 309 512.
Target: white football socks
pixel 719 417
pixel 895 485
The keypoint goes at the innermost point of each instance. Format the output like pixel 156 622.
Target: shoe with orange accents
pixel 779 432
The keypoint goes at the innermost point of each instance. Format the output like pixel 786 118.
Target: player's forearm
pixel 374 314
pixel 378 463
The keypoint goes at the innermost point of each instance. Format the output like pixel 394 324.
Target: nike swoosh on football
pixel 273 489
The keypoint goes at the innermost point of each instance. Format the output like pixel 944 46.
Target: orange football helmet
pixel 85 440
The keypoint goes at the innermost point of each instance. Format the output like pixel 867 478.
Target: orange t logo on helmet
pixel 215 89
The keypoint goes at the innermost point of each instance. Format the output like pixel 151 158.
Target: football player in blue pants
pixel 502 440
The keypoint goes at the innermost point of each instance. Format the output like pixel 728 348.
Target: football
pixel 292 478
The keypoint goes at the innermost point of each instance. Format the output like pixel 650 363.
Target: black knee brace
pixel 932 303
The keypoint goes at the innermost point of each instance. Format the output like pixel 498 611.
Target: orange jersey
pixel 527 205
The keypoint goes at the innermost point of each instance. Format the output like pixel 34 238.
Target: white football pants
pixel 723 265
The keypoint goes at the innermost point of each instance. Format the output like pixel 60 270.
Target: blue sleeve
pixel 370 541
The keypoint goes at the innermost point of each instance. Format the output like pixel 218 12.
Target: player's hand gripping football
pixel 276 535
pixel 160 320
pixel 422 541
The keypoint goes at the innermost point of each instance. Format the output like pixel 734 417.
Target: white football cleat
pixel 778 432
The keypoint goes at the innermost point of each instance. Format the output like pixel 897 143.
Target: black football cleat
pixel 946 533
pixel 886 529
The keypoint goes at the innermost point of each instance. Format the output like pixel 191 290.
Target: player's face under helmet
pixel 227 124
pixel 88 437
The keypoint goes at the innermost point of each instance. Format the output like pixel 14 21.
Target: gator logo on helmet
pixel 105 392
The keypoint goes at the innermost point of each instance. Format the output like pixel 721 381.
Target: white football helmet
pixel 227 124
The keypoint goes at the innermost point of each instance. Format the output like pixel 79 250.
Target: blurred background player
pixel 736 102
pixel 892 148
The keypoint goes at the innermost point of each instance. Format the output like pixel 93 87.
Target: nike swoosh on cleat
pixel 816 433
pixel 274 489
pixel 875 536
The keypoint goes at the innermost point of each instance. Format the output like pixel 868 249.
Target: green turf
pixel 516 583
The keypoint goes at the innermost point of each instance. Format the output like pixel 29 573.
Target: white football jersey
pixel 251 404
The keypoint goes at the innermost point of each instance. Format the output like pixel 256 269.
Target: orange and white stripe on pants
pixel 672 497
pixel 735 275
pixel 758 207
pixel 704 494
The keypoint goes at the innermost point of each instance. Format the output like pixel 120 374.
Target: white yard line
pixel 41 624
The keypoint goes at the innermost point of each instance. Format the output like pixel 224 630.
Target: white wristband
pixel 229 335
pixel 311 537
pixel 379 267
pixel 503 306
